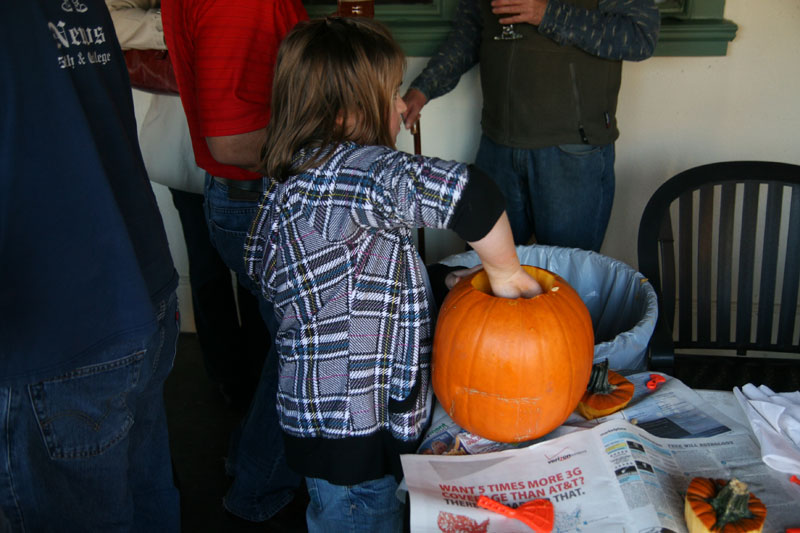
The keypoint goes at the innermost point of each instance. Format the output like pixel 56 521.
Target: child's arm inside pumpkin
pixel 499 258
pixel 480 219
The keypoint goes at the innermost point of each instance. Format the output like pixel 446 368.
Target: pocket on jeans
pixel 229 240
pixel 579 149
pixel 376 497
pixel 85 412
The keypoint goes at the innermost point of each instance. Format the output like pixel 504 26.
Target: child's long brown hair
pixel 335 80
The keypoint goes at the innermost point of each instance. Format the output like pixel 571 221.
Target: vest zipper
pixel 506 121
pixel 577 98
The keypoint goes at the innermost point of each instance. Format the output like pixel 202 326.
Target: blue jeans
pixel 562 194
pixel 368 507
pixel 262 481
pixel 88 450
pixel 228 322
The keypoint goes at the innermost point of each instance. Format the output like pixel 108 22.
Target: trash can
pixel 620 300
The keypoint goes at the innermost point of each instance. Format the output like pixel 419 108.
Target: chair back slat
pixel 725 261
pixel 747 261
pixel 685 266
pixel 791 277
pixel 769 266
pixel 667 284
pixel 705 235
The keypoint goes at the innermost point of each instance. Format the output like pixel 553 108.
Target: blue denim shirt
pixel 617 29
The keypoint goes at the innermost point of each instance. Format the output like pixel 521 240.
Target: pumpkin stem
pixel 731 504
pixel 598 381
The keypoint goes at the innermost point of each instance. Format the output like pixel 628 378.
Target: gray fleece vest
pixel 538 93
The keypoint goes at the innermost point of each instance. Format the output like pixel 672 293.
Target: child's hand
pixel 499 257
pixel 519 285
pixel 455 276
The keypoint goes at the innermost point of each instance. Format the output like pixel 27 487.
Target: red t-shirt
pixel 223 53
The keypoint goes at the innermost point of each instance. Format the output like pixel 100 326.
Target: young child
pixel 332 248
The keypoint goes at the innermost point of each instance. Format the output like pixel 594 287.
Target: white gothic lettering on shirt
pixel 76 35
pixel 74 5
pixel 78 38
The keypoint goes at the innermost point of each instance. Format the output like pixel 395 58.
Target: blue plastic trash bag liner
pixel 620 300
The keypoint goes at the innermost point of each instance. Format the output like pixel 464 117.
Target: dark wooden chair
pixel 720 244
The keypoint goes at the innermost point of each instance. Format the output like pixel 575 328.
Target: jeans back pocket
pixel 85 412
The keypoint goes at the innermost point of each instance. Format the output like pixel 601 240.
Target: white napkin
pixel 775 419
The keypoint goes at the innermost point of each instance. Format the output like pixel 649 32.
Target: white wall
pixel 674 113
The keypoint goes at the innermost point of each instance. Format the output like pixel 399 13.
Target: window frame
pixel 688 27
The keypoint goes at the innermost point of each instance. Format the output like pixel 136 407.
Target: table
pixel 610 473
pixel 725 402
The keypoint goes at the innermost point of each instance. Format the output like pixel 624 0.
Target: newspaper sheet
pixel 672 410
pixel 601 476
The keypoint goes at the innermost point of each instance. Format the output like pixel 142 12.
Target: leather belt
pixel 242 190
pixel 245 185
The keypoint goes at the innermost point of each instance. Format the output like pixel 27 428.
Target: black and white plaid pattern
pixel 333 249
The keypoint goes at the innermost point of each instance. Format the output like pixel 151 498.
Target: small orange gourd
pixel 722 506
pixel 607 392
pixel 511 370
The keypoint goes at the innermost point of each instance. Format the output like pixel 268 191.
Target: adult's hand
pixel 415 100
pixel 519 11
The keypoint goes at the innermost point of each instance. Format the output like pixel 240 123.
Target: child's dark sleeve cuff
pixel 480 206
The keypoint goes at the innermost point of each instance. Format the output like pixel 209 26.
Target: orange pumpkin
pixel 607 393
pixel 512 370
pixel 722 506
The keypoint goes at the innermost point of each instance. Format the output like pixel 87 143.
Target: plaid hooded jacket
pixel 332 248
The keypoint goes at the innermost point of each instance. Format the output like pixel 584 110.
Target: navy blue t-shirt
pixel 83 252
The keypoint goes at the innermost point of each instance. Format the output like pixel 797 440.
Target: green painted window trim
pixel 688 28
pixel 700 37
